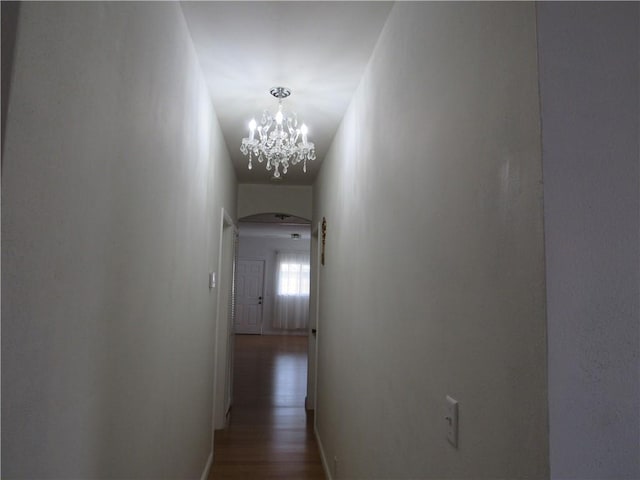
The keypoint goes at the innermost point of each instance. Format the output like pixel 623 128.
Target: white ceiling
pixel 273 230
pixel 271 226
pixel 281 218
pixel 317 49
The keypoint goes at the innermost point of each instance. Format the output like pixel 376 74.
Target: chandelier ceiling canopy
pixel 277 140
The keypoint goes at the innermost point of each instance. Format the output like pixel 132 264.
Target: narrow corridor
pixel 270 435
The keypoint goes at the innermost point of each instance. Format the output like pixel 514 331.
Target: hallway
pixel 270 434
pixel 474 212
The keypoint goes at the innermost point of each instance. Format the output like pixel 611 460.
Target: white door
pixel 250 275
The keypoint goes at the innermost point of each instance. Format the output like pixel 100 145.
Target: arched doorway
pixel 272 281
pixel 270 363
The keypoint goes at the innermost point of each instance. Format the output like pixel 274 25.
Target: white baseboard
pixel 207 467
pixel 323 457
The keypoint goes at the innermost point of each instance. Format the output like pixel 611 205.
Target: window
pixel 291 305
pixel 293 279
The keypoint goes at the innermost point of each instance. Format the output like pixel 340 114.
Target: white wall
pixel 266 248
pixel 114 175
pixel 589 54
pixel 434 275
pixel 290 199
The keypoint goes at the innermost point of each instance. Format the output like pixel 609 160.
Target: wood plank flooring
pixel 270 435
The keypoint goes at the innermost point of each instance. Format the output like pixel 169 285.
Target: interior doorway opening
pixel 273 275
pixel 223 372
pixel 273 280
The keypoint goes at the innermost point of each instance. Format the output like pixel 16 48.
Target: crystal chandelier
pixel 277 137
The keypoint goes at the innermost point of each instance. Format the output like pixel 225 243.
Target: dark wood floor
pixel 270 435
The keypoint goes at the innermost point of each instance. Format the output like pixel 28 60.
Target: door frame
pixel 314 316
pixel 225 310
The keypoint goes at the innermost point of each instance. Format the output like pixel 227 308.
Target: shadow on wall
pixel 10 12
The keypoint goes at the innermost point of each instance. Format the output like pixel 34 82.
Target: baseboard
pixel 207 467
pixel 308 404
pixel 323 457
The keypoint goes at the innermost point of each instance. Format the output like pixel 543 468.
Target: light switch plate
pixel 212 279
pixel 452 421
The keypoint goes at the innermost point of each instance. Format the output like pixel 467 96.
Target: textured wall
pixel 589 59
pixel 113 179
pixel 434 275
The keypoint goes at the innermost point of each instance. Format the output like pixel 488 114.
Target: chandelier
pixel 277 137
